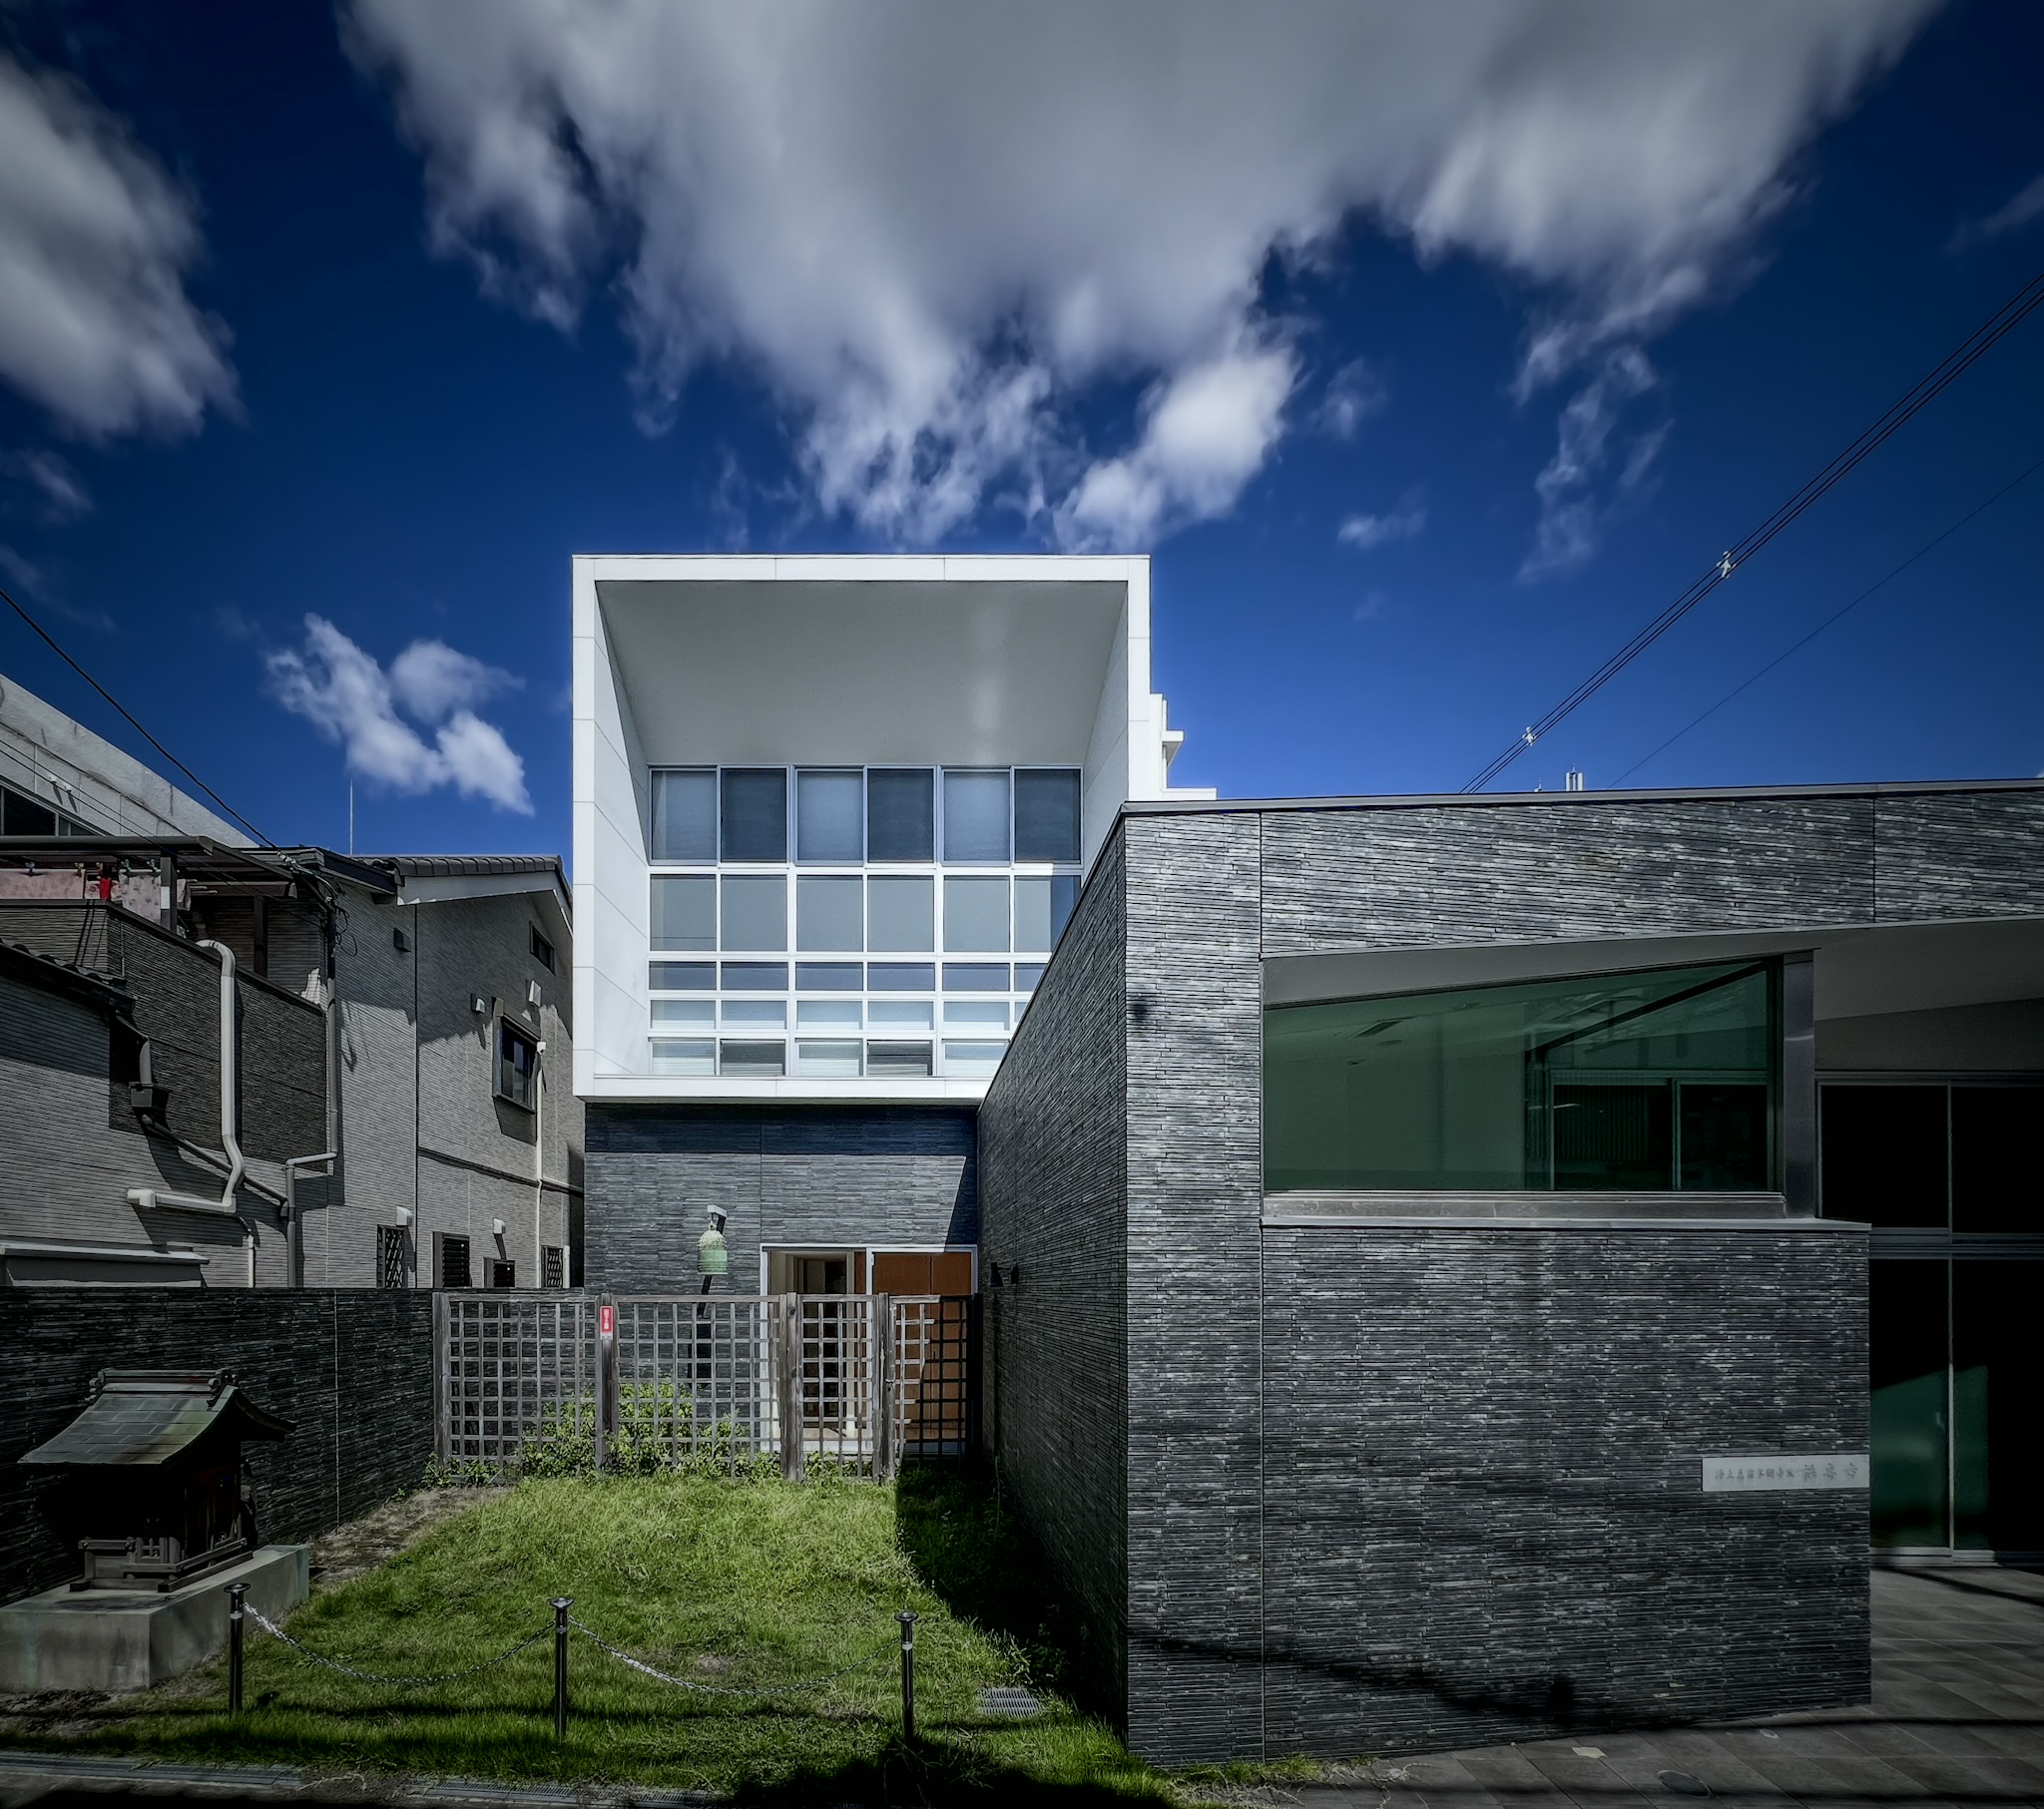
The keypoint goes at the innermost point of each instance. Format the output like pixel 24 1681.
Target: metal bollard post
pixel 562 1604
pixel 908 1675
pixel 235 1590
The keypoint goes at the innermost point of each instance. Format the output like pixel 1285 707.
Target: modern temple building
pixel 830 818
pixel 1425 1244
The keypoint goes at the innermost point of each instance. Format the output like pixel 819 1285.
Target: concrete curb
pixel 26 1775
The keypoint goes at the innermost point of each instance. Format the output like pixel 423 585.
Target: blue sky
pixel 1429 351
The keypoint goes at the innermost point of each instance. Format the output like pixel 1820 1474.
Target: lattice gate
pixel 858 1380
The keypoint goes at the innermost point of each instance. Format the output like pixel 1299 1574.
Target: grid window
pixel 674 1055
pixel 977 1015
pixel 682 976
pixel 1042 909
pixel 390 1256
pixel 976 815
pixel 830 913
pixel 685 814
pixel 754 813
pixel 517 1062
pixel 683 1014
pixel 901 914
pixel 553 1267
pixel 1028 975
pixel 765 1013
pixel 899 1014
pixel 973 1059
pixel 754 911
pixel 901 976
pixel 684 912
pixel 454 1271
pixel 975 915
pixel 542 949
pixel 1047 816
pixel 829 975
pixel 899 813
pixel 898 1060
pixel 755 976
pixel 830 814
pixel 828 1014
pixel 828 1061
pixel 975 976
pixel 757 1061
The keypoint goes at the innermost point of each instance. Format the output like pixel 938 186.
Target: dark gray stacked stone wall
pixel 1483 1508
pixel 354 1370
pixel 794 1175
pixel 1054 1152
pixel 1195 1127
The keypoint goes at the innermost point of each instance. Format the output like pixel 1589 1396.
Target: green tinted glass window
pixel 1639 1083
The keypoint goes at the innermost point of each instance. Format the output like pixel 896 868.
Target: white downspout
pixel 539 1161
pixel 224 1206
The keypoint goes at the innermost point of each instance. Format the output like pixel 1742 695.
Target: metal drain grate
pixel 1009 1704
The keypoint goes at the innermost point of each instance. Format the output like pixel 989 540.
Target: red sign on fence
pixel 606 1321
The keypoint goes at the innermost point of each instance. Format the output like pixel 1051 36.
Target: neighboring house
pixel 1426 1245
pixel 831 817
pixel 435 988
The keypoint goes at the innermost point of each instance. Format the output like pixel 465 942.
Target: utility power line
pixel 1839 615
pixel 1982 339
pixel 132 722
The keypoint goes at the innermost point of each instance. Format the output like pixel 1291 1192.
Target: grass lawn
pixel 726 1582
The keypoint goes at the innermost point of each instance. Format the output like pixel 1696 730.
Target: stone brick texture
pixel 354 1370
pixel 816 1176
pixel 1386 1489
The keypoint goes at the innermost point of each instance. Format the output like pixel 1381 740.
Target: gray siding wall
pixel 1053 1137
pixel 1195 1001
pixel 352 1370
pixel 1483 1511
pixel 825 1176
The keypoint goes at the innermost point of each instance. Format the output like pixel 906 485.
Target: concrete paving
pixel 1957 1719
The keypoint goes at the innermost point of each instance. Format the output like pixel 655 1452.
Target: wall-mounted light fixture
pixel 497 1228
pixel 478 1004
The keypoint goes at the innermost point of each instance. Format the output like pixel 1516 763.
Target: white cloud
pixel 1402 522
pixel 2026 204
pixel 56 492
pixel 1353 396
pixel 349 699
pixel 96 242
pixel 433 680
pixel 1572 506
pixel 937 232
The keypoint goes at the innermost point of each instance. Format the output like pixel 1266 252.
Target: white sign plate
pixel 1831 1470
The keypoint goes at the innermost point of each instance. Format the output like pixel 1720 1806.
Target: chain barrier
pixel 348 1671
pixel 724 1689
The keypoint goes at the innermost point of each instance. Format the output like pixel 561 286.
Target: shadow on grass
pixel 983 1565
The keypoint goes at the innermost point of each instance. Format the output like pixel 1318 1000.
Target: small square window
pixel 542 951
pixel 682 976
pixel 685 815
pixel 976 1014
pixel 976 914
pixel 973 1059
pixel 975 976
pixel 453 1265
pixel 755 1061
pixel 899 1014
pixel 754 810
pixel 672 1055
pixel 829 912
pixel 899 813
pixel 901 976
pixel 898 1060
pixel 828 1014
pixel 901 913
pixel 829 975
pixel 1042 909
pixel 833 1060
pixel 755 976
pixel 754 911
pixel 517 1062
pixel 976 815
pixel 1028 976
pixel 764 1014
pixel 683 911
pixel 830 814
pixel 1047 814
pixel 683 1014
